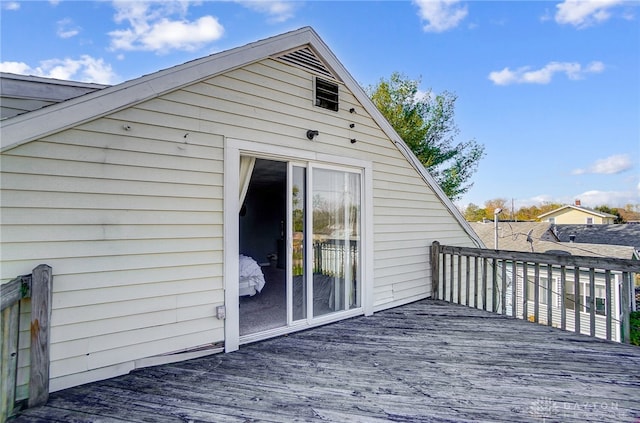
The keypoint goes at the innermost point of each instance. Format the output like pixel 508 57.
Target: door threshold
pixel 302 325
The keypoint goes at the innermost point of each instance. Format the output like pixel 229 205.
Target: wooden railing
pixel 37 287
pixel 589 295
pixel 330 257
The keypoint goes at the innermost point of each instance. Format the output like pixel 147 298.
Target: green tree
pixel 473 213
pixel 426 124
pixel 614 211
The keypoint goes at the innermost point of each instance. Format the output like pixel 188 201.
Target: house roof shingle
pixel 621 234
pixel 539 237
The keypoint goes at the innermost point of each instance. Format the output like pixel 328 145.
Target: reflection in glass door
pixel 298 257
pixel 336 225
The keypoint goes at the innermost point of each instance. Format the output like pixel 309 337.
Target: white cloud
pixel 11 5
pixel 151 29
pixel 611 165
pixel 592 198
pixel 525 75
pixel 278 11
pixel 15 67
pixel 66 28
pixel 596 198
pixel 440 15
pixel 84 69
pixel 581 13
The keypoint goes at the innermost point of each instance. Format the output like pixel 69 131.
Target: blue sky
pixel 550 88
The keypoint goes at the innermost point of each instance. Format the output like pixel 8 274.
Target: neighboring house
pixel 539 237
pixel 619 234
pixel 576 215
pixel 20 93
pixel 143 195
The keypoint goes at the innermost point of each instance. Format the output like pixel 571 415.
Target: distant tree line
pixel 475 213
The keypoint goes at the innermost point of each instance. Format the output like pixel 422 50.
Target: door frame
pixel 233 148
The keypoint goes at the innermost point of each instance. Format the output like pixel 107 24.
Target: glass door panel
pixel 336 221
pixel 298 256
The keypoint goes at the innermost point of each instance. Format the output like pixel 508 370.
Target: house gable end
pixel 303 47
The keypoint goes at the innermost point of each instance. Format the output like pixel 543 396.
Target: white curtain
pixel 246 169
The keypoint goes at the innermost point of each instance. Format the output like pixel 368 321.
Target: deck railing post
pixel 40 330
pixel 435 264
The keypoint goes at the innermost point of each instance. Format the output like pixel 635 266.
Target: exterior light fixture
pixel 311 134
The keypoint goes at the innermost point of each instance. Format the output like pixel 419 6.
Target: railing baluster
pixel 624 303
pixel 525 293
pixel 536 293
pixel 592 301
pixel 563 306
pixel 607 301
pixel 475 282
pixel 494 284
pixel 468 284
pixel 484 283
pixel 549 295
pixel 504 287
pixel 514 289
pixel 444 277
pixel 577 302
pixel 459 279
pixel 451 277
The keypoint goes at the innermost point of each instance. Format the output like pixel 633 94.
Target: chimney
pixel 578 203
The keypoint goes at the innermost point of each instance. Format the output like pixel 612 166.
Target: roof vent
pixel 307 59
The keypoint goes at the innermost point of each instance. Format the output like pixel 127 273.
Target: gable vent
pixel 306 59
pixel 326 95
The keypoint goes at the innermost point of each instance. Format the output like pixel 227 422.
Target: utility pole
pixel 496 212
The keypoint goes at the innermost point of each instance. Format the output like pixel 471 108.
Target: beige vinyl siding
pixel 131 220
pixel 577 217
pixel 131 224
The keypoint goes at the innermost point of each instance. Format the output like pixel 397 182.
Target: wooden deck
pixel 427 361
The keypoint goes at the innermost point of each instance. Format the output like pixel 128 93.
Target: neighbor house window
pixel 569 296
pixel 589 220
pixel 326 94
pixel 543 286
pixel 584 303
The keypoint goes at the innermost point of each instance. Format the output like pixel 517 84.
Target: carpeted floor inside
pixel 268 308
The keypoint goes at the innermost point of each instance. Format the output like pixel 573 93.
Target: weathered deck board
pixel 427 361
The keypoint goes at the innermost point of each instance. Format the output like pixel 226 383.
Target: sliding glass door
pixel 336 221
pixel 300 223
pixel 325 241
